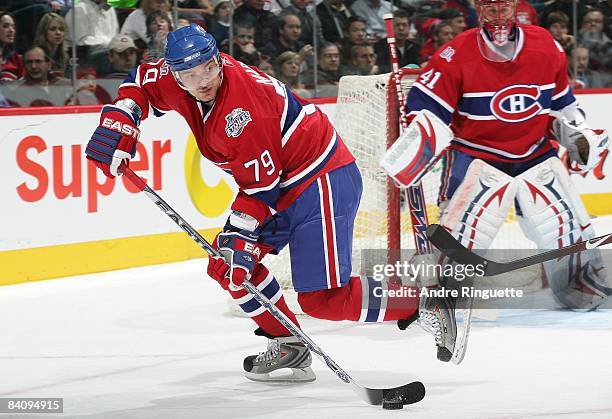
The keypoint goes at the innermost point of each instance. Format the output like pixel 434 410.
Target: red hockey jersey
pixel 497 110
pixel 272 142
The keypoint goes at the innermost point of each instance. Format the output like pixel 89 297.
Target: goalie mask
pixel 498 37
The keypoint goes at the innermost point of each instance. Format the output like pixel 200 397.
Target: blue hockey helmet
pixel 190 46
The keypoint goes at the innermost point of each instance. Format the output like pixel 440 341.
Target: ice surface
pixel 157 342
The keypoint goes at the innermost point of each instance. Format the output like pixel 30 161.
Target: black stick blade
pixel 447 244
pixel 407 394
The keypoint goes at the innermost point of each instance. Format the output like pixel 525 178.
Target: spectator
pixel 328 74
pixel 40 87
pixel 158 26
pixel 287 69
pixel 135 25
pixel 363 61
pixel 253 13
pixel 334 17
pixel 122 57
pixel 184 19
pixel 89 92
pixel 558 26
pixel 11 63
pixel 584 76
pixel 26 14
pixel 244 45
pixel 373 12
pixel 442 33
pixel 405 41
pixel 96 25
pixel 565 6
pixel 455 19
pixel 50 35
pixel 301 9
pixel 466 8
pixel 591 35
pixel 287 39
pixel 266 66
pixel 526 14
pixel 356 34
pixel 219 25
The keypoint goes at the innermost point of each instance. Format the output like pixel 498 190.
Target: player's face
pixel 497 11
pixel 202 81
pixel 7 30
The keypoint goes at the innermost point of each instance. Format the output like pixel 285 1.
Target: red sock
pixel 348 302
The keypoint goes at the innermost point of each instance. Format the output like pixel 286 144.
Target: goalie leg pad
pixel 553 215
pixel 479 205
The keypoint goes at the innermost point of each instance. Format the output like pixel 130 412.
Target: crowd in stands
pixel 306 44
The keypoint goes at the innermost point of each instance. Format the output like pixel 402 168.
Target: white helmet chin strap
pixel 499 53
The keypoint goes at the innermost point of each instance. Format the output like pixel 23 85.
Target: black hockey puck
pixel 394 404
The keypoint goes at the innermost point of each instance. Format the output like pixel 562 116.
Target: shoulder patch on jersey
pixel 447 54
pixel 226 61
pixel 236 121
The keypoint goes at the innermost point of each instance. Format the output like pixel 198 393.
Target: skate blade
pixel 463 334
pixel 285 375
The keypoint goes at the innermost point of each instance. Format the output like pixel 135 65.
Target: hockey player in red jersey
pixel 298 186
pixel 500 87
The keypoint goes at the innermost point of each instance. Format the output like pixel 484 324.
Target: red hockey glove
pixel 241 252
pixel 113 143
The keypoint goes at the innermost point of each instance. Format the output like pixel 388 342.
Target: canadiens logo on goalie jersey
pixel 236 121
pixel 517 103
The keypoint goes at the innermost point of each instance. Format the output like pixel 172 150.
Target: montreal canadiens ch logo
pixel 516 103
pixel 236 121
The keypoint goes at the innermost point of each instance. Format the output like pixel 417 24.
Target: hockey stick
pixel 406 394
pixel 444 241
pixel 415 195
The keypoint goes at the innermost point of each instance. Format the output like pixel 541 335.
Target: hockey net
pixel 367 119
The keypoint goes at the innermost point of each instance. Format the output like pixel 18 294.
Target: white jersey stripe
pixel 312 166
pixel 324 230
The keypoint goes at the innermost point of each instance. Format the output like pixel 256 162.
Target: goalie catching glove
pixel 113 143
pixel 585 146
pixel 241 252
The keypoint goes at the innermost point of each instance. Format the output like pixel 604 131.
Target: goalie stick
pixel 416 197
pixel 450 246
pixel 406 394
